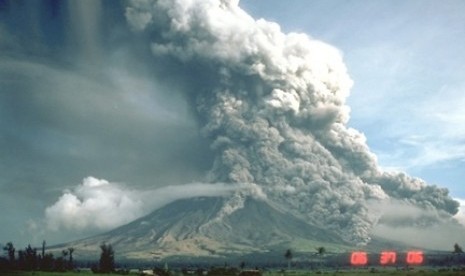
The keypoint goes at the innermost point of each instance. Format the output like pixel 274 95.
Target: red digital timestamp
pixel 415 257
pixel 387 258
pixel 360 258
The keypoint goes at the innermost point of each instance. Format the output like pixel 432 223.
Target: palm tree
pixel 288 256
pixel 71 250
pixel 321 250
pixel 43 248
pixel 64 253
pixel 107 259
pixel 457 248
pixel 10 250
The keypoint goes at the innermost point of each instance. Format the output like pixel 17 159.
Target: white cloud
pixel 97 204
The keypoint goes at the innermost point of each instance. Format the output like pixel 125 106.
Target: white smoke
pixel 103 205
pixel 273 105
pixel 95 203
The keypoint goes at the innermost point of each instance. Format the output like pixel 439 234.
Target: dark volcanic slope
pixel 193 227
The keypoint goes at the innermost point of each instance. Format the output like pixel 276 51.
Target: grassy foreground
pixel 418 272
pixel 41 273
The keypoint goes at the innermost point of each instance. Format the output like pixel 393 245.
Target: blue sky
pixel 407 61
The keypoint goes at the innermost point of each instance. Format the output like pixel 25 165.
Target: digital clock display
pixel 361 258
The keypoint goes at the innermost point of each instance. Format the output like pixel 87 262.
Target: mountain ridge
pixel 192 228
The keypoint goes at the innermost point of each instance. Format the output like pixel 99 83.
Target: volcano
pixel 194 227
pixel 273 108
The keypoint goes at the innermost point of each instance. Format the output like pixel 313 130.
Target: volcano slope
pixel 196 227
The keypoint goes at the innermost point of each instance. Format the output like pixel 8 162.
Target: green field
pixel 40 273
pixel 279 273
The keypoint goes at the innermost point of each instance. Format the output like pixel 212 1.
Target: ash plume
pixel 273 106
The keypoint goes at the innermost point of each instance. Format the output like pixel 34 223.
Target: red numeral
pixel 414 257
pixel 387 257
pixel 358 258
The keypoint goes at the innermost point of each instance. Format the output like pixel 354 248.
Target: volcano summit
pixel 195 228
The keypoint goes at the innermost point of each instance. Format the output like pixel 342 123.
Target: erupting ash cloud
pixel 460 216
pixel 273 106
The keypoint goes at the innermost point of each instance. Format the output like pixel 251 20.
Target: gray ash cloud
pixel 273 106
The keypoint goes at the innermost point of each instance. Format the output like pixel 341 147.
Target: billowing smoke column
pixel 273 105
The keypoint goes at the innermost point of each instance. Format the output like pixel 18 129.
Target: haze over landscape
pixel 332 115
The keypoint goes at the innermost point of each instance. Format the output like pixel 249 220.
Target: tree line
pixel 29 259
